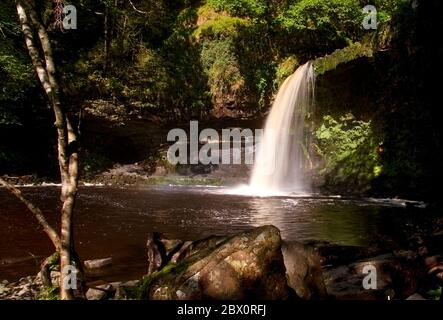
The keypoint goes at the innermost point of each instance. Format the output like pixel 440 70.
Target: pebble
pixel 94 294
pixel 23 292
pixel 415 296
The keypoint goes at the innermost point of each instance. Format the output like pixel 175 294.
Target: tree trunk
pixel 66 135
pixel 107 39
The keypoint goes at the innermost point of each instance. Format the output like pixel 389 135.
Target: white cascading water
pixel 282 154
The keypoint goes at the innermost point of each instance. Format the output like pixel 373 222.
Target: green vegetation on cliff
pixel 348 148
pixel 183 59
pixel 172 61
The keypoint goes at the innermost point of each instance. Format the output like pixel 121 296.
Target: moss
pixel 221 26
pixel 140 291
pixel 49 293
pixel 352 52
pixel 199 249
pixel 206 13
pixel 285 69
pixel 349 150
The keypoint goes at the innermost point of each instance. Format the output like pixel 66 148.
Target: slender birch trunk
pixel 40 50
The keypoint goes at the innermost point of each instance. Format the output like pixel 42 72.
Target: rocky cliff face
pixel 389 88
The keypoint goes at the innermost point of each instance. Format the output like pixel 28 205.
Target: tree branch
pixel 52 234
pixel 137 10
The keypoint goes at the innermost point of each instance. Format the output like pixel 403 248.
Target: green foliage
pixel 18 83
pixel 183 58
pixel 147 74
pixel 49 293
pixel 16 73
pixel 222 67
pixel 387 8
pixel 222 26
pixel 8 117
pixel 336 15
pixel 257 60
pixel 322 23
pixel 8 24
pixel 434 294
pixel 188 86
pixel 349 150
pixel 241 8
pixel 176 60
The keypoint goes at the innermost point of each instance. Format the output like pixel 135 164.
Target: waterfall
pixel 281 155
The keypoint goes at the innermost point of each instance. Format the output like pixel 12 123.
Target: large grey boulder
pixel 246 266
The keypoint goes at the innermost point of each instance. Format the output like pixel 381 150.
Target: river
pixel 115 222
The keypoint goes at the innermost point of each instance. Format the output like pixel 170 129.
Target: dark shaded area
pixel 397 91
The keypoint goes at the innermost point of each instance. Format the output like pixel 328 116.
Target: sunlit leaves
pixel 349 149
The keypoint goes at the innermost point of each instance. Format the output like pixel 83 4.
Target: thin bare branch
pixel 137 10
pixel 58 16
pixel 47 228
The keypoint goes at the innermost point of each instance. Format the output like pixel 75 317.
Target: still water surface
pixel 115 221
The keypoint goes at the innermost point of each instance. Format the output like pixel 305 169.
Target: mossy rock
pixel 349 53
pixel 249 265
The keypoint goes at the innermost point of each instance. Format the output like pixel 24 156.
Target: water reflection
pixel 274 211
pixel 116 221
pixel 322 220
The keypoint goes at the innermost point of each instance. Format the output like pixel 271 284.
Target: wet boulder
pixel 162 251
pixel 303 270
pixel 389 276
pixel 100 292
pixel 97 263
pixel 246 266
pixel 191 247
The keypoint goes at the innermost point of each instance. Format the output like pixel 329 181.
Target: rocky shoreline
pixel 257 264
pixel 142 174
pixel 31 288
